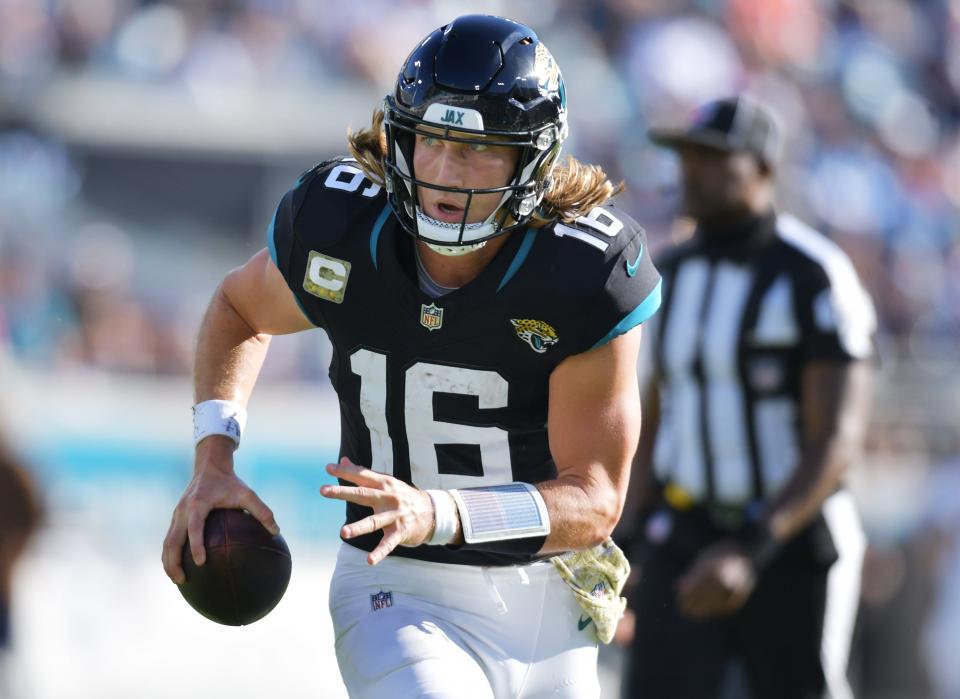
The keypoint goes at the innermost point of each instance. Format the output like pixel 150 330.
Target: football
pixel 245 574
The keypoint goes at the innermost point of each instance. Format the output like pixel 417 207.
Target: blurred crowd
pixel 867 91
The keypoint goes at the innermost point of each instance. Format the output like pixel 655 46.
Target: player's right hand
pixel 214 486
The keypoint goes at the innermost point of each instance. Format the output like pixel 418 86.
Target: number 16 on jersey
pixel 421 382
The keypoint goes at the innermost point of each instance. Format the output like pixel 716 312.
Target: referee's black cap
pixel 734 124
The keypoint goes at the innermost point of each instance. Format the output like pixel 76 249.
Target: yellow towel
pixel 597 577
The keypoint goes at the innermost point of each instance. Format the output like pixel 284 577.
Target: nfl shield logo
pixel 381 600
pixel 431 317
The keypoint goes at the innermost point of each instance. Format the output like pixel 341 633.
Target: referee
pixel 756 403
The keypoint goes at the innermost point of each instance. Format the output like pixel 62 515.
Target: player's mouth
pixel 446 211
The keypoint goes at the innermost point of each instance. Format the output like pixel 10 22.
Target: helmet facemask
pixel 520 196
pixel 477 80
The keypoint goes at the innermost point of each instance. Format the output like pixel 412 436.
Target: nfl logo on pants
pixel 431 317
pixel 381 600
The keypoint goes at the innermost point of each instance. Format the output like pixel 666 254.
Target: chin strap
pixel 455 250
pixel 431 229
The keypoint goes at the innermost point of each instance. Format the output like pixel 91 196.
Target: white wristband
pixel 444 517
pixel 222 417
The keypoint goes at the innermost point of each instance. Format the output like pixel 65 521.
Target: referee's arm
pixel 835 403
pixel 834 407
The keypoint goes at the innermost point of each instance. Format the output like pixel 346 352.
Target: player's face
pixel 463 165
pixel 718 184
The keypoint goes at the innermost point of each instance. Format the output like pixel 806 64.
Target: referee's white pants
pixel 843 591
pixel 406 628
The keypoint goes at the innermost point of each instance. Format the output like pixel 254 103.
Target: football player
pixel 484 303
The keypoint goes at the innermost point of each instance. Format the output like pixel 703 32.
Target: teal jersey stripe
pixel 638 315
pixel 303 309
pixel 271 242
pixel 375 233
pixel 519 258
pixel 272 247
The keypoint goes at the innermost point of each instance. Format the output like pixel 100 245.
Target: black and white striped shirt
pixel 741 316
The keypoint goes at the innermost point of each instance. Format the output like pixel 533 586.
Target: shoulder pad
pixel 320 208
pixel 582 254
pixel 331 195
pixel 603 259
pixel 604 228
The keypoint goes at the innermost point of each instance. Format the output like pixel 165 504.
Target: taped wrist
pixel 221 417
pixel 509 518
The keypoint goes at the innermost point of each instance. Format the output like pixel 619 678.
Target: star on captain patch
pixel 431 317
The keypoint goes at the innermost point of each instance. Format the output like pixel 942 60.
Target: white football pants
pixel 406 628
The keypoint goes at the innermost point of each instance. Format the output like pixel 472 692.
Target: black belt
pixel 730 516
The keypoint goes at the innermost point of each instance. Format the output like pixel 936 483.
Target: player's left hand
pixel 718 583
pixel 404 513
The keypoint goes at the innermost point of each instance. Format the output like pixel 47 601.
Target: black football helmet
pixel 475 77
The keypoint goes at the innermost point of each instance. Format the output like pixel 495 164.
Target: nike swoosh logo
pixel 583 623
pixel 632 268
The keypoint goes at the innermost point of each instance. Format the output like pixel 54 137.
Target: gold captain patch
pixel 326 277
pixel 536 333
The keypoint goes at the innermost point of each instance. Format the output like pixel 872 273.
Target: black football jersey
pixel 452 392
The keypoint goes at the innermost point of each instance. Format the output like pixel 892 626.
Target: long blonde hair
pixel 575 189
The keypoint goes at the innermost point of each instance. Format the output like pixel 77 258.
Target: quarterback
pixel 483 300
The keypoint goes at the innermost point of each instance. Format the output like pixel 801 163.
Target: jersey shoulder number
pixel 319 210
pixel 328 198
pixel 599 228
pixel 345 175
pixel 619 281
